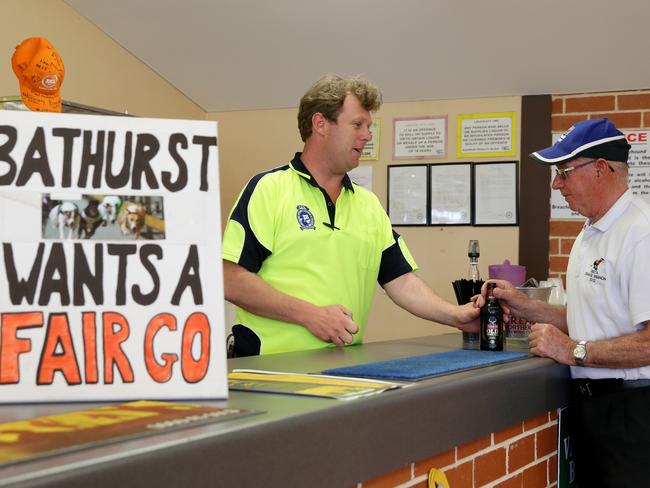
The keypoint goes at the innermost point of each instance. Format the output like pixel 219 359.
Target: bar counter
pixel 306 441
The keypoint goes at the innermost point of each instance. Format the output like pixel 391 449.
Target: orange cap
pixel 40 71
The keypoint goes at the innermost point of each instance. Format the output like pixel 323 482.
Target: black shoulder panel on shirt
pixel 393 263
pixel 253 253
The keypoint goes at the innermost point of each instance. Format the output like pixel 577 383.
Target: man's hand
pixel 546 340
pixel 518 304
pixel 332 323
pixel 512 301
pixel 467 317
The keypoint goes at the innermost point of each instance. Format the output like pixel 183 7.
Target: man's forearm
pixel 547 313
pixel 412 294
pixel 330 323
pixel 629 351
pixel 249 291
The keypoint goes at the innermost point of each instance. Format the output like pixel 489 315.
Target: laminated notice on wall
pixel 371 149
pixel 485 135
pixel 639 162
pixel 419 137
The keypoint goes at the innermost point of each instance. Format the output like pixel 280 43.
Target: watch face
pixel 579 352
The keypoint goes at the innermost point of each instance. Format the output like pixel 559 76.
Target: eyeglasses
pixel 564 173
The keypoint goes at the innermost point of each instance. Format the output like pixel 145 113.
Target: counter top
pixel 306 441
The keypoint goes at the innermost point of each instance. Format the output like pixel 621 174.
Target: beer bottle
pixel 491 323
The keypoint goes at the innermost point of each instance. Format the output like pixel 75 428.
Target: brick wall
pixel 628 110
pixel 522 456
pixel 562 233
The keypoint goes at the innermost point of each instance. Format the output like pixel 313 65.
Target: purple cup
pixel 513 273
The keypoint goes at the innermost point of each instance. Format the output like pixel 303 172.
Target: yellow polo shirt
pixel 285 228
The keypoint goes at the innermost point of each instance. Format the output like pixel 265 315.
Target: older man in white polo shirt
pixel 603 333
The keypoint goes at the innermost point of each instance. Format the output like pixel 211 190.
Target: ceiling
pixel 261 54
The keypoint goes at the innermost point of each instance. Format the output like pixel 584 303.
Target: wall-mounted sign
pixel 419 137
pixel 371 150
pixel 496 193
pixel 450 194
pixel 639 162
pixel 362 176
pixel 485 135
pixel 408 194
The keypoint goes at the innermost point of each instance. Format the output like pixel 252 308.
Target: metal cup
pixel 518 328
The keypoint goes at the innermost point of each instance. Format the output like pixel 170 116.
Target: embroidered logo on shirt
pixel 305 218
pixel 593 273
pixel 597 262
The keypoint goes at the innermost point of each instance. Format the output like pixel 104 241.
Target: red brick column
pixel 562 234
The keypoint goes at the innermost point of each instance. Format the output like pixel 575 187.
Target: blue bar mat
pixel 428 365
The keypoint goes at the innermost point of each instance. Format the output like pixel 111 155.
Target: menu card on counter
pixel 24 440
pixel 307 384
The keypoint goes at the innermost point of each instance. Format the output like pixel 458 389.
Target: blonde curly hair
pixel 327 96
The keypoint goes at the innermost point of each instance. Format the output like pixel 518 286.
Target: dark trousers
pixel 611 431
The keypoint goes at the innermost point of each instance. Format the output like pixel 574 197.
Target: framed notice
pixel 362 176
pixel 419 137
pixel 371 150
pixel 450 194
pixel 111 281
pixel 485 135
pixel 496 193
pixel 407 194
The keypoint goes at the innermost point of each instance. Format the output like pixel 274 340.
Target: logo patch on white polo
pixel 596 271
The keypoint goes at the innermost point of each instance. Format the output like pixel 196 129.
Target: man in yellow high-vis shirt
pixel 304 246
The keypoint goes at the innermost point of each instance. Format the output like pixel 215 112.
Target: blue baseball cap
pixel 595 138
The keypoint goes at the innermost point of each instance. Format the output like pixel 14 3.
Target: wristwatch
pixel 580 352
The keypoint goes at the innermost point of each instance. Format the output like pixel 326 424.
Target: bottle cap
pixel 473 249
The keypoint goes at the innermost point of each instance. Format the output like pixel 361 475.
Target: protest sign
pixel 110 271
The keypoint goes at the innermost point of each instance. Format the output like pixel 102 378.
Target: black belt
pixel 590 388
